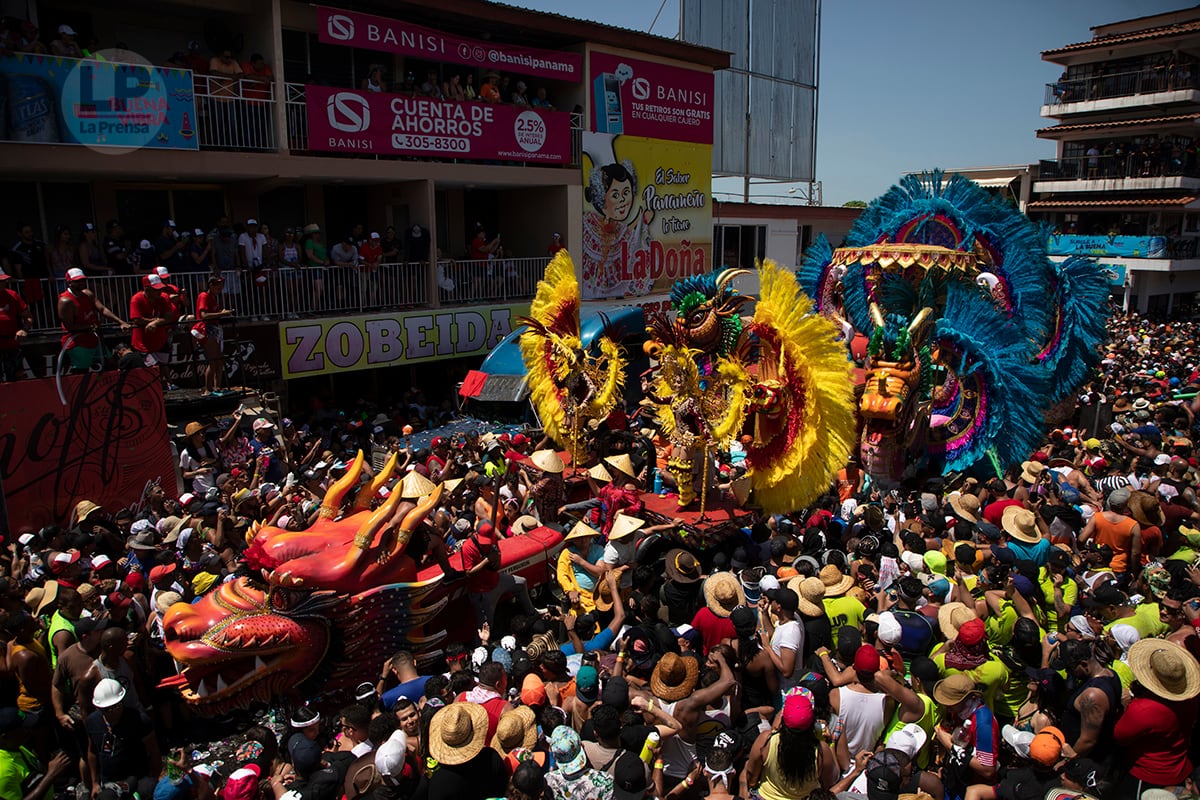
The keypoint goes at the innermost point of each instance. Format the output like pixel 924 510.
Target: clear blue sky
pixel 908 85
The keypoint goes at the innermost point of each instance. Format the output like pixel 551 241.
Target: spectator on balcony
pixel 196 60
pixel 225 71
pixel 65 46
pixel 250 246
pixel 15 319
pixel 169 248
pixel 257 78
pixel 482 249
pixel 289 251
pixel 446 267
pixel 143 257
pixel 91 255
pixel 152 316
pixel 79 312
pixel 345 253
pixel 556 244
pixel 29 40
pixel 200 250
pixel 416 245
pixel 490 91
pixel 116 249
pixel 316 259
pixel 61 254
pixel 432 87
pixel 370 256
pixel 469 87
pixel 505 87
pixel 270 258
pixel 358 235
pixel 1093 161
pixel 374 82
pixel 540 100
pixel 391 245
pixel 224 249
pixel 210 310
pixel 453 89
pixel 27 262
pixel 519 98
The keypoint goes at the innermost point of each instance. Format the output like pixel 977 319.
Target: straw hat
pixel 1146 509
pixel 1020 524
pixel 165 600
pixel 47 595
pixel 599 473
pixel 1165 668
pixel 723 593
pixel 966 506
pixel 674 677
pixel 836 584
pixel 581 531
pixel 517 728
pixel 811 592
pixel 524 524
pixel 547 461
pixel 681 566
pixel 951 617
pixel 622 463
pixel 415 485
pixel 1031 471
pixel 450 485
pixel 602 596
pixel 623 526
pixel 457 733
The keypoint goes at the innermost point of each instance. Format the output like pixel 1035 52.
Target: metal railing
pixel 277 294
pixel 1116 167
pixel 1123 84
pixel 235 113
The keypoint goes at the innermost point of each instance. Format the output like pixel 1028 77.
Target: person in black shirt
pixel 170 248
pixel 116 249
pixel 28 261
pixel 122 748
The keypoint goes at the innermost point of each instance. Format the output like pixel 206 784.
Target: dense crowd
pixel 1016 637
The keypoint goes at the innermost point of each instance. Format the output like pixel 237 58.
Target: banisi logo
pixel 641 88
pixel 340 27
pixel 348 112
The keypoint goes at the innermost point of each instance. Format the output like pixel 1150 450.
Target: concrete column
pixel 275 57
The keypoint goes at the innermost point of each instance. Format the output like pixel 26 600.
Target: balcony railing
pixel 235 113
pixel 1122 84
pixel 1114 167
pixel 291 293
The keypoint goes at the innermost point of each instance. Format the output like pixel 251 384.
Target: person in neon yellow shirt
pixel 1060 592
pixel 968 654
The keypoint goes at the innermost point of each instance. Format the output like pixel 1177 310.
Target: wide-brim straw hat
pixel 1020 524
pixel 681 566
pixel 547 461
pixel 458 732
pixel 674 677
pixel 1165 668
pixel 951 617
pixel 1031 471
pixel 416 485
pixel 965 506
pixel 1146 509
pixel 49 595
pixel 517 728
pixel 450 485
pixel 723 593
pixel 599 473
pixel 602 595
pixel 836 583
pixel 581 531
pixel 623 526
pixel 622 463
pixel 811 592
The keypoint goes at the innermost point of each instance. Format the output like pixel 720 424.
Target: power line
pixel 656 16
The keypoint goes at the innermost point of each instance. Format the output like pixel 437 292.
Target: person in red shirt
pixel 439 459
pixel 555 245
pixel 177 296
pixel 210 310
pixel 370 255
pixel 152 315
pixel 14 319
pixel 1001 499
pixel 485 583
pixel 79 312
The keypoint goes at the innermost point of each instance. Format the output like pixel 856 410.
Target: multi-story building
pixel 1125 183
pixel 344 122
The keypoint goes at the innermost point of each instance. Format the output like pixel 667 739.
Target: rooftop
pixel 1138 29
pixel 1116 124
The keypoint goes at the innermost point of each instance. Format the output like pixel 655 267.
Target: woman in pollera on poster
pixel 613 237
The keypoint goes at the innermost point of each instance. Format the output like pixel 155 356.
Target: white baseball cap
pixel 75 274
pixel 154 281
pixel 162 272
pixel 389 756
pixel 908 740
pixel 889 628
pixel 251 221
pixel 1019 741
pixel 144 244
pixel 375 234
pixel 66 30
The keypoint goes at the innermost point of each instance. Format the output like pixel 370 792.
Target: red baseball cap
pixel 135 581
pixel 866 659
pixel 972 632
pixel 485 533
pixel 161 572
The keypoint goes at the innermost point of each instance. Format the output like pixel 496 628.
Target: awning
pixel 994 183
pixel 1124 203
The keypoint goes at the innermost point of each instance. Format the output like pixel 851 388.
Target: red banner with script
pixel 103 445
pixel 348 121
pixel 370 32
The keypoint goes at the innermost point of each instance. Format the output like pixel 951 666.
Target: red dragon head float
pixel 325 606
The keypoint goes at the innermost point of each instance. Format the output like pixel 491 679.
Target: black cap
pixel 744 620
pixel 988 531
pixel 1004 556
pixel 90 624
pixel 885 774
pixel 1070 653
pixel 1060 557
pixel 786 598
pixel 616 693
pixel 965 553
pixel 1084 771
pixel 629 778
pixel 1108 594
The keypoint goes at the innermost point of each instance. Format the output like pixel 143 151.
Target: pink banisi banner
pixel 349 121
pixel 371 32
pixel 645 98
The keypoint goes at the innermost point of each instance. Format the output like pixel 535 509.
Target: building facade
pixel 474 137
pixel 1124 185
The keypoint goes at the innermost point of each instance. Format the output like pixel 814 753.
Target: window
pixel 740 246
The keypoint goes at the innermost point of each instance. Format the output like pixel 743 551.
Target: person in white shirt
pixel 784 635
pixel 250 246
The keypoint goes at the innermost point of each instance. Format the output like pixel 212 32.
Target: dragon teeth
pixel 259 663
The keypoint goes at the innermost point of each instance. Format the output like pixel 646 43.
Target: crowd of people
pixel 1025 636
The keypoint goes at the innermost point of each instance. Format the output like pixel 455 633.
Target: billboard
pixel 349 121
pixel 104 444
pixel 768 96
pixel 645 98
pixel 106 104
pixel 647 214
pixel 1066 244
pixel 370 32
pixel 317 347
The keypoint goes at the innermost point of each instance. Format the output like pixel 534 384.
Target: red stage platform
pixel 722 517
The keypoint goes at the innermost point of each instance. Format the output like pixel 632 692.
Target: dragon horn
pixel 415 517
pixel 919 319
pixel 366 531
pixel 363 501
pixel 728 275
pixel 334 495
pixel 877 315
